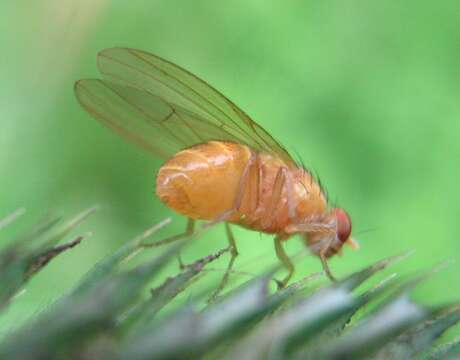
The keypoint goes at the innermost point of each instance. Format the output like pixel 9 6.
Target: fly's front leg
pixel 188 232
pixel 234 254
pixel 284 258
pixel 323 258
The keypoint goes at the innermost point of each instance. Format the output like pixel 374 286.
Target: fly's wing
pixel 145 119
pixel 164 108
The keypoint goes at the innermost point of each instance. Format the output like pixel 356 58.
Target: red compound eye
pixel 343 224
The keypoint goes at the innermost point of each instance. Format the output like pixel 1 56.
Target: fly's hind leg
pixel 188 232
pixel 234 254
pixel 284 258
pixel 249 183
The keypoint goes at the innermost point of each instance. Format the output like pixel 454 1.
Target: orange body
pixel 205 181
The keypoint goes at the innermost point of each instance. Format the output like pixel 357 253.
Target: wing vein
pixel 147 115
pixel 198 105
pixel 188 87
pixel 117 128
pixel 165 108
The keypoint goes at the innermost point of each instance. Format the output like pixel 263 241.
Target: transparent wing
pixel 163 107
pixel 146 119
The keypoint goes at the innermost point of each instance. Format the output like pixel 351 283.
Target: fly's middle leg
pixel 283 181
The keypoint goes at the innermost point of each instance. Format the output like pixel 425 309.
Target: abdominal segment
pixel 207 180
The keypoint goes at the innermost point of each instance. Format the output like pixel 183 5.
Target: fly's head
pixel 342 224
pixel 327 233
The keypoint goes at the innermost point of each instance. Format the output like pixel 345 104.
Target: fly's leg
pixel 322 256
pixel 284 258
pixel 188 231
pixel 292 215
pixel 249 182
pixel 234 254
pixel 326 268
pixel 283 180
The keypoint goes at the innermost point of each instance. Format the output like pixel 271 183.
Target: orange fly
pixel 220 164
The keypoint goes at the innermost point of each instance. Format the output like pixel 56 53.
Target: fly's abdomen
pixel 202 182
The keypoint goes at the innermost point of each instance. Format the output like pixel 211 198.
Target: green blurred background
pixel 367 92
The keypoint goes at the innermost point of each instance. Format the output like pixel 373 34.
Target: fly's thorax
pixel 310 199
pixel 273 211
